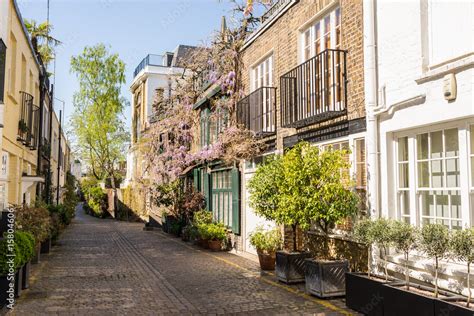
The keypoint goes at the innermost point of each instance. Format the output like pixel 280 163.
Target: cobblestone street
pixel 106 267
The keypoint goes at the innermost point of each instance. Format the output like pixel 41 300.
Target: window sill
pixel 453 66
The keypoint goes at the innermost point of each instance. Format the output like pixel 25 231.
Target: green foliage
pixel 405 238
pixel 23 249
pixel 98 106
pixel 267 241
pixel 42 40
pixel 363 232
pixel 212 231
pixel 35 220
pixel 462 245
pixel 94 196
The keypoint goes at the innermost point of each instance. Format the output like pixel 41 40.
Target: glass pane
pixel 422 146
pixel 442 205
pixel 436 144
pixel 423 175
pixel 456 225
pixel 403 149
pixel 472 171
pixel 452 173
pixel 471 149
pixel 403 175
pixel 451 142
pixel 437 173
pixel 405 203
pixel 427 203
pixel 455 205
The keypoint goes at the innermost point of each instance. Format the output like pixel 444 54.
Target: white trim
pixel 318 16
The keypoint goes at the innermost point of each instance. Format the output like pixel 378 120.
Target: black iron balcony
pixel 149 60
pixel 28 124
pixel 314 91
pixel 257 111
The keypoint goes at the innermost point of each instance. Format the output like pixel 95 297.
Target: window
pixel 323 34
pixel 3 55
pixel 360 169
pixel 23 73
pixel 13 69
pixel 262 74
pixel 403 187
pixel 4 167
pixel 212 124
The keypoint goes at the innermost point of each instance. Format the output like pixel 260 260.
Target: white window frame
pixel 465 186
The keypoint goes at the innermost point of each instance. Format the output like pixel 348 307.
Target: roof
pixel 182 53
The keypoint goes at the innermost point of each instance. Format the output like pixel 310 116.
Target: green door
pixel 225 198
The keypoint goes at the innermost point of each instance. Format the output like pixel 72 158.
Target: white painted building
pixel 419 92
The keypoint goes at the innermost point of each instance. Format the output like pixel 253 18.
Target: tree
pixel 98 105
pixel 363 234
pixel 382 232
pixel 42 40
pixel 404 237
pixel 435 243
pixel 462 248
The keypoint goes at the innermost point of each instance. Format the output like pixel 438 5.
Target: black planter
pixel 36 258
pixel 26 276
pixel 364 294
pixel 5 291
pixel 447 307
pixel 46 246
pixel 18 282
pixel 290 266
pixel 398 301
pixel 325 278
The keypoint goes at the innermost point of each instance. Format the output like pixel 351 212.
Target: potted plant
pixel 26 245
pixel 325 194
pixel 216 234
pixel 434 241
pixel 363 290
pixel 462 248
pixel 200 220
pixel 37 221
pixel 267 242
pixel 266 189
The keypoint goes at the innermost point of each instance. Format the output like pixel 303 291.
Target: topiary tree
pixel 462 248
pixel 435 242
pixel 381 232
pixel 404 237
pixel 363 234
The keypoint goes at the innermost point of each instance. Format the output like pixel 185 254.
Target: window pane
pixel 442 205
pixel 452 173
pixel 436 144
pixel 405 202
pixel 455 205
pixel 403 149
pixel 422 146
pixel 472 171
pixel 403 175
pixel 427 204
pixel 452 144
pixel 437 173
pixel 423 175
pixel 471 149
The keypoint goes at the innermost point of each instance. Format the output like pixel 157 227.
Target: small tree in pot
pixel 404 237
pixel 435 243
pixel 462 248
pixel 267 242
pixel 216 233
pixel 382 234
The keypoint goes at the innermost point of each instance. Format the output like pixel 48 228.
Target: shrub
pixel 462 248
pixel 363 234
pixel 435 243
pixel 404 238
pixel 23 248
pixel 215 231
pixel 266 241
pixel 202 217
pixel 35 220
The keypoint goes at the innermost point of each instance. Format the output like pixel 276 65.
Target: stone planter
pixel 364 294
pixel 215 245
pixel 398 301
pixel 46 246
pixel 290 266
pixel 326 278
pixel 18 282
pixel 448 307
pixel 26 276
pixel 267 260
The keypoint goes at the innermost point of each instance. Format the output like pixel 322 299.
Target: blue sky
pixel 132 28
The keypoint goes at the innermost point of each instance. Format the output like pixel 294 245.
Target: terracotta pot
pixel 267 260
pixel 215 245
pixel 205 243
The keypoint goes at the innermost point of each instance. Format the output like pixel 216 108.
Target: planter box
pixel 26 276
pixel 46 246
pixel 447 307
pixel 398 301
pixel 290 266
pixel 18 282
pixel 215 245
pixel 364 294
pixel 36 258
pixel 4 287
pixel 326 278
pixel 266 260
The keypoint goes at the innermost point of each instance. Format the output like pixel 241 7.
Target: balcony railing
pixel 314 91
pixel 149 60
pixel 28 124
pixel 257 111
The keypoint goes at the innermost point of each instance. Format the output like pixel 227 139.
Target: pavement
pixel 107 267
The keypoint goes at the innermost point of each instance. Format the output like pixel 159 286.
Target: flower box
pixel 400 301
pixel 290 266
pixel 449 307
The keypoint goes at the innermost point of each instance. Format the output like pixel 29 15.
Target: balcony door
pixel 261 111
pixel 322 71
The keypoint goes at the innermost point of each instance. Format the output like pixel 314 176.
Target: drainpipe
pixel 370 73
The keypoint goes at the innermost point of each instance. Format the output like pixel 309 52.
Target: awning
pixel 28 181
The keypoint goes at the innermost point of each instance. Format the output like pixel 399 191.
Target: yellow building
pixel 21 94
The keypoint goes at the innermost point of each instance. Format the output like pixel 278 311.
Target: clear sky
pixel 132 28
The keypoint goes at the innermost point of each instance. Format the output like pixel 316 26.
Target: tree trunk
pixel 295 247
pixel 436 277
pixel 469 294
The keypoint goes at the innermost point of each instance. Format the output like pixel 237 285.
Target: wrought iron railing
pixel 314 91
pixel 149 60
pixel 274 9
pixel 257 111
pixel 28 124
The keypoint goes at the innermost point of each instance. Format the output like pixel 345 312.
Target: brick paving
pixel 106 267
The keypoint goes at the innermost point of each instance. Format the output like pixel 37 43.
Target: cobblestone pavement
pixel 106 267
